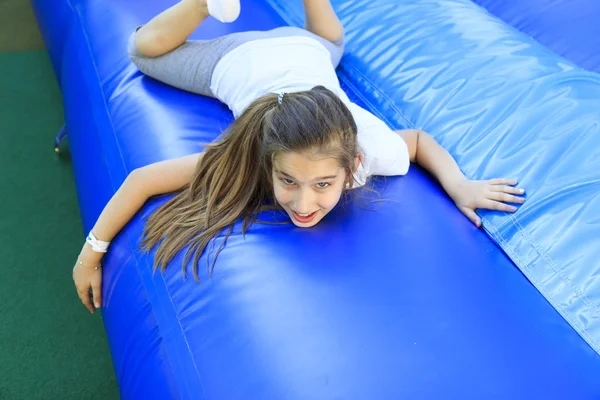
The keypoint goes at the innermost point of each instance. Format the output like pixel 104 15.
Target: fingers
pixel 506 189
pixel 472 216
pixel 503 181
pixel 496 193
pixel 505 197
pixel 88 282
pixel 84 295
pixel 97 292
pixel 500 192
pixel 496 205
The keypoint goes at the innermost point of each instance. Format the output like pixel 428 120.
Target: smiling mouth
pixel 304 218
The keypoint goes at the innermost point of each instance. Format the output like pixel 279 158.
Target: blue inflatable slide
pixel 404 301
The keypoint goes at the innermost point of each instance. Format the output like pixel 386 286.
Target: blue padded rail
pixel 404 300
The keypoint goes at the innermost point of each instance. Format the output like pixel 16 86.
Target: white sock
pixel 224 10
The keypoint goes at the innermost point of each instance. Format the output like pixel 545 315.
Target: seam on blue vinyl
pixel 549 262
pixel 554 267
pixel 575 323
pixel 498 238
pixel 491 229
pixel 146 280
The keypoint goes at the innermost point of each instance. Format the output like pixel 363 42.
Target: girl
pixel 297 142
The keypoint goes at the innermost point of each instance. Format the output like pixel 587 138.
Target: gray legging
pixel 190 66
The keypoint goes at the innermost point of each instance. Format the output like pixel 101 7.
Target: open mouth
pixel 304 218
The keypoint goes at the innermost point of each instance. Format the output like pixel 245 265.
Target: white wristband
pixel 97 245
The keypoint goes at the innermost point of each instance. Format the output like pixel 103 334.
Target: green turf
pixel 18 30
pixel 50 346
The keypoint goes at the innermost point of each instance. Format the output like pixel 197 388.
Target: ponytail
pixel 230 182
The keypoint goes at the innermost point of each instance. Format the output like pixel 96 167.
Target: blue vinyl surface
pixel 404 300
pixel 568 27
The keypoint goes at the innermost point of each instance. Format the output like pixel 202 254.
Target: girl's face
pixel 306 186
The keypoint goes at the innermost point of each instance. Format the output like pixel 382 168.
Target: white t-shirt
pixel 293 64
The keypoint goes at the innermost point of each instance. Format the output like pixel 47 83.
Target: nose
pixel 304 201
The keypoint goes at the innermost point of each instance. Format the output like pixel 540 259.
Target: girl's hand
pixel 87 274
pixel 491 194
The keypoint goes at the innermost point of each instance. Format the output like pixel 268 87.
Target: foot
pixel 224 10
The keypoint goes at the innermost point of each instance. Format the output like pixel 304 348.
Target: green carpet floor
pixel 18 29
pixel 50 346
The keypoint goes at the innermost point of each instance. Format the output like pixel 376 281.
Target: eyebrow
pixel 321 178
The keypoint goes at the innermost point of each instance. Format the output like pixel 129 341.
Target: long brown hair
pixel 233 177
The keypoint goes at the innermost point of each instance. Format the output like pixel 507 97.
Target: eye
pixel 323 185
pixel 287 181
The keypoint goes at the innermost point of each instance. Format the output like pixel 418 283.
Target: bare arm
pixel 426 152
pixel 141 184
pixel 467 195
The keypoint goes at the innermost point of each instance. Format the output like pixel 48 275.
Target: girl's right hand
pixel 87 274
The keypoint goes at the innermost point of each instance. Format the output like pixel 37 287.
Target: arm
pixel 322 20
pixel 425 151
pixel 141 184
pixel 467 195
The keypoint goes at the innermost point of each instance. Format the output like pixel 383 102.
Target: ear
pixel 357 161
